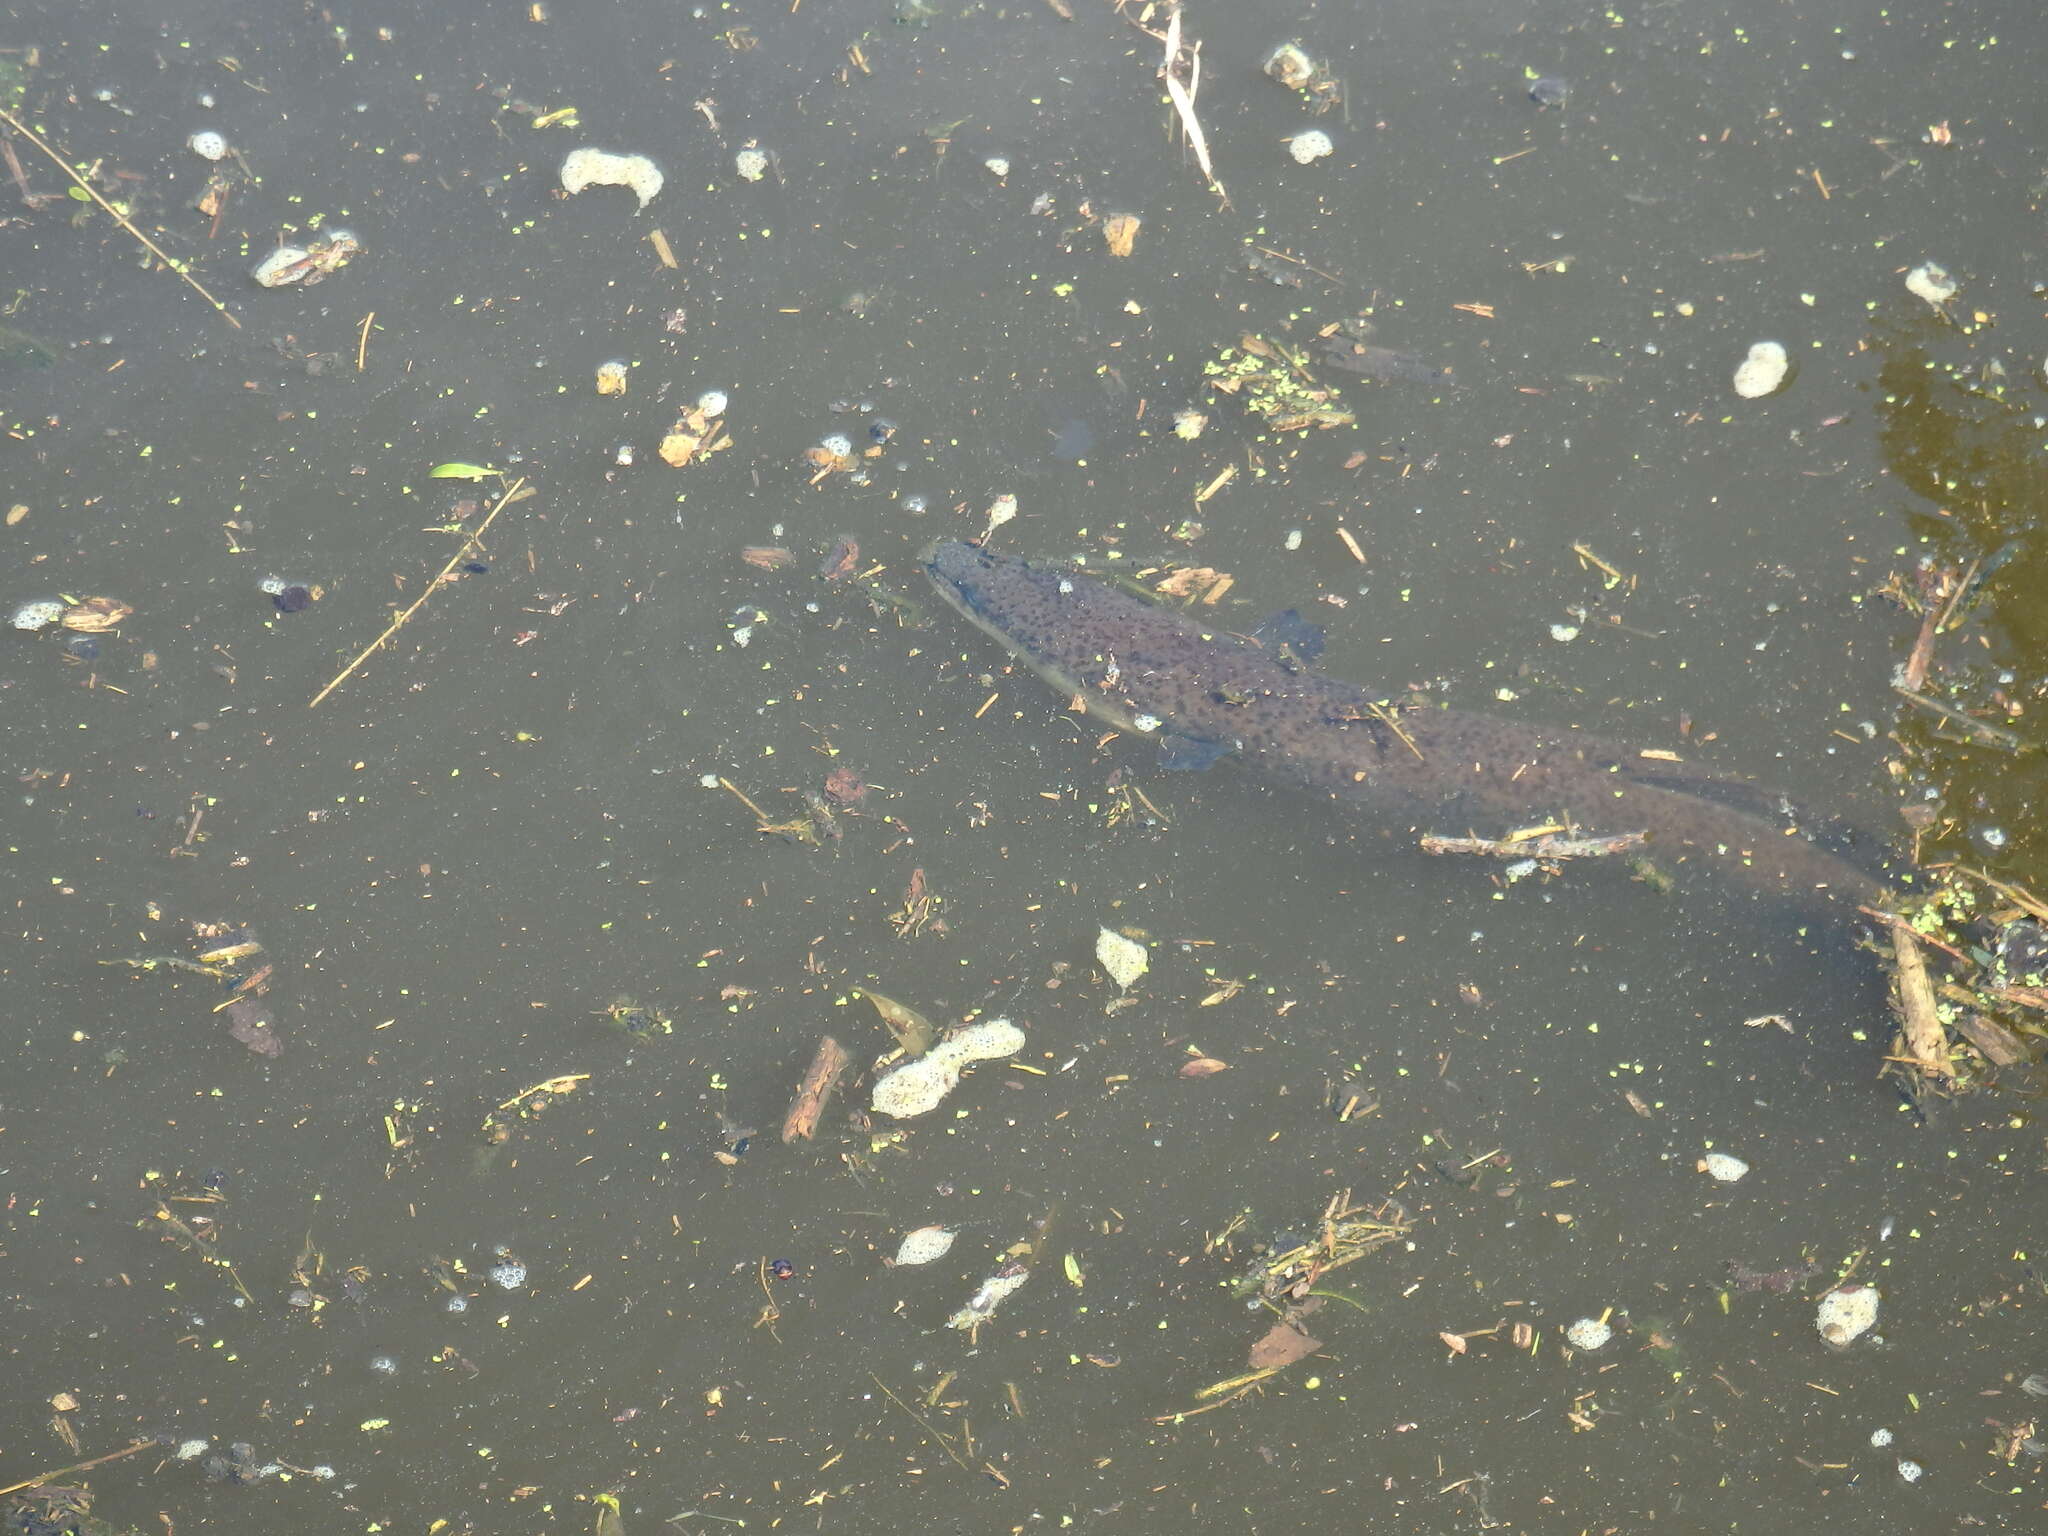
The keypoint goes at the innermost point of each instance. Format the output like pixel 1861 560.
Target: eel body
pixel 1206 693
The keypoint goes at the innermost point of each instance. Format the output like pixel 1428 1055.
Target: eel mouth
pixel 958 570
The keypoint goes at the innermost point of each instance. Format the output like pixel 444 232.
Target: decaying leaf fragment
pixel 913 1032
pixel 96 615
pixel 1282 1345
pixel 1120 232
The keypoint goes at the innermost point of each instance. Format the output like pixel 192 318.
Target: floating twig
pixel 922 1422
pixel 513 492
pixel 98 1461
pixel 115 214
pixel 1548 846
pixel 1926 1041
pixel 1980 731
pixel 827 1066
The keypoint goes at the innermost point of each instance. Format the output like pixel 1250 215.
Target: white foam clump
pixel 1310 144
pixel 1930 282
pixel 925 1245
pixel 1724 1167
pixel 208 145
pixel 588 167
pixel 1589 1333
pixel 919 1087
pixel 1846 1313
pixel 1763 370
pixel 39 613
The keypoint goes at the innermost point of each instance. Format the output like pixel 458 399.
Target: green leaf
pixel 461 472
pixel 78 194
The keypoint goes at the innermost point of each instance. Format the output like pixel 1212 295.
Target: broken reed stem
pixel 1182 95
pixel 475 537
pixel 922 1422
pixel 98 1461
pixel 115 214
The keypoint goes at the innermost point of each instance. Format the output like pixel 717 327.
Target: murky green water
pixel 502 822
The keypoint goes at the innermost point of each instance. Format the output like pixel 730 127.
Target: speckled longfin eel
pixel 1205 693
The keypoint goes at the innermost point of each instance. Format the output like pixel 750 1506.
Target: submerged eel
pixel 1205 693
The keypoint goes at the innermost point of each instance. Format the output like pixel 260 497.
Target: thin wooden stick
pixel 98 1461
pixel 475 537
pixel 1536 847
pixel 363 344
pixel 113 213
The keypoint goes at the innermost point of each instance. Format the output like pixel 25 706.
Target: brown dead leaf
pixel 1189 581
pixel 845 786
pixel 1282 1345
pixel 678 448
pixel 1454 1342
pixel 1120 231
pixel 1203 1066
pixel 96 615
pixel 826 462
pixel 767 557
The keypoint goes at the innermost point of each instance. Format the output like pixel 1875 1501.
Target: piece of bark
pixel 1997 1044
pixel 1913 989
pixel 828 1065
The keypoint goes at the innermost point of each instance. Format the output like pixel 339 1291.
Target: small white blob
pixel 1846 1313
pixel 751 163
pixel 1725 1168
pixel 987 1297
pixel 508 1275
pixel 1763 371
pixel 38 614
pixel 1588 1333
pixel 1310 144
pixel 1146 723
pixel 1188 423
pixel 1880 1438
pixel 713 402
pixel 997 166
pixel 1564 634
pixel 1909 1470
pixel 208 145
pixel 1931 281
pixel 924 1245
pixel 1124 959
pixel 286 264
pixel 588 167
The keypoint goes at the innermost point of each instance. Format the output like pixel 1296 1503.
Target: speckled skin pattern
pixel 1143 667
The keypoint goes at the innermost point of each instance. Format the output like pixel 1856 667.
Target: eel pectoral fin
pixel 1289 634
pixel 1189 754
